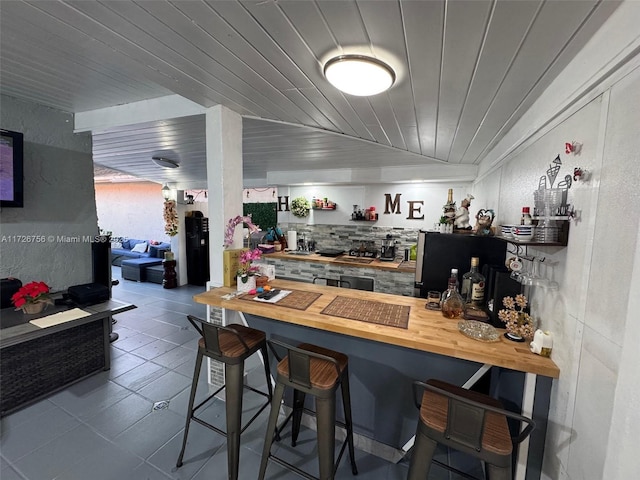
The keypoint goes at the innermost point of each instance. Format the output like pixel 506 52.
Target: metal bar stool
pixel 333 282
pixel 468 421
pixel 358 283
pixel 230 345
pixel 317 371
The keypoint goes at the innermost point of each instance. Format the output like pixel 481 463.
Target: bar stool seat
pixel 467 421
pixel 317 371
pixel 231 345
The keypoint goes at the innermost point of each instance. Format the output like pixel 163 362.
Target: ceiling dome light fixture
pixel 359 75
pixel 165 162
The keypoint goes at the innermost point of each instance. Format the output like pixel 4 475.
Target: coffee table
pixel 36 362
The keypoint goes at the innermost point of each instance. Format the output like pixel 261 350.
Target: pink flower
pixel 245 260
pixel 231 227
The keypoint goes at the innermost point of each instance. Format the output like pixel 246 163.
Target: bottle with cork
pixel 449 210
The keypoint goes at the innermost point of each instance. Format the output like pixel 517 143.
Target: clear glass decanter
pixel 452 302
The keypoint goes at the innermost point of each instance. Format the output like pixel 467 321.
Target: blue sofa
pixel 125 252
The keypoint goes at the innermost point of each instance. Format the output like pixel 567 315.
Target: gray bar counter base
pixel 381 376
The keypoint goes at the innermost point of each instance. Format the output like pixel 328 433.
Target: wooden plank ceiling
pixel 466 71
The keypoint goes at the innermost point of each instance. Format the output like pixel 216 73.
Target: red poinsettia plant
pixel 33 292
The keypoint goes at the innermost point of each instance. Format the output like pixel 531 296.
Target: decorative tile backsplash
pixel 398 283
pixel 341 236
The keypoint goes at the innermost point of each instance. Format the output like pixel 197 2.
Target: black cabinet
pixel 101 261
pixel 197 249
pixel 438 253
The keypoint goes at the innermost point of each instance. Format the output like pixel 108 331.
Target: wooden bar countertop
pixel 427 330
pixel 346 260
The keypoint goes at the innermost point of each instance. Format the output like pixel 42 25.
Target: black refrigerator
pixel 197 238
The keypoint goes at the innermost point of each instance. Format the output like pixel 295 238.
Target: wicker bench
pixel 155 274
pixel 136 268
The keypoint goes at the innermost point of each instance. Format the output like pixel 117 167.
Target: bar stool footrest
pixel 454 470
pixel 308 411
pixel 296 469
pixel 242 429
pixel 304 474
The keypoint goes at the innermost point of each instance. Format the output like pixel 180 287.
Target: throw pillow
pixel 153 251
pixel 140 247
pixel 126 244
pixel 154 242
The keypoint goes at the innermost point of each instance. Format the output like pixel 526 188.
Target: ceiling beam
pixel 161 108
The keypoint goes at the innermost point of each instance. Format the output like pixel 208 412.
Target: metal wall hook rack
pixel 521 252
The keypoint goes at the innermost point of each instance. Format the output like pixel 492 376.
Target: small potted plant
pixel 32 297
pixel 246 273
pixel 519 323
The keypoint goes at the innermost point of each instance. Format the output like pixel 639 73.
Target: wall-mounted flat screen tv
pixel 11 169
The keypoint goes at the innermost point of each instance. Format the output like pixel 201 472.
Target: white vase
pixel 246 282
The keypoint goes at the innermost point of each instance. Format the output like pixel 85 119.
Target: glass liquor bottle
pixel 454 275
pixel 452 302
pixel 473 285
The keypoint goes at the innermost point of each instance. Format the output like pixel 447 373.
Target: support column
pixel 224 182
pixel 224 185
pixel 179 242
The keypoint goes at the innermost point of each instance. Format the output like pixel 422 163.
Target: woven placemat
pixel 297 299
pixel 356 260
pixel 369 311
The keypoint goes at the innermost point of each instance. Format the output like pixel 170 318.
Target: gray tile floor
pixel 105 427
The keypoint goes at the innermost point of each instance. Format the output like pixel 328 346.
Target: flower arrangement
pixel 170 218
pixel 300 207
pixel 231 227
pixel 519 323
pixel 32 297
pixel 246 269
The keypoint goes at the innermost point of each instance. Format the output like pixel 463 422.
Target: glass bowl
pixel 478 331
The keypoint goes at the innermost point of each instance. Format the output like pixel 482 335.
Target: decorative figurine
pixel 484 219
pixel 462 213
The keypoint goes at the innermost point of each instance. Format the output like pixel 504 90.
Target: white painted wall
pixel 132 209
pixel 59 200
pixel 433 195
pixel 594 415
pixel 625 422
